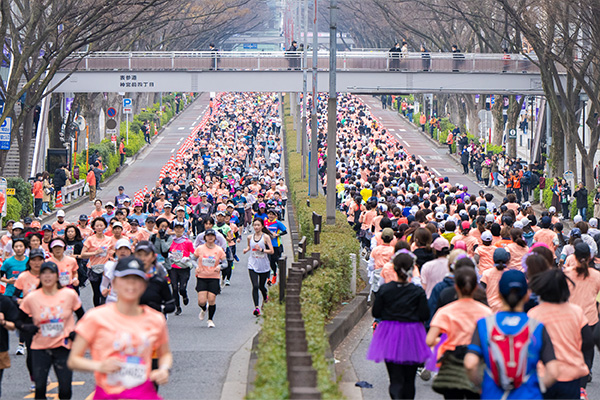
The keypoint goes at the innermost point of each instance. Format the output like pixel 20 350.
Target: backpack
pixel 508 354
pixel 526 179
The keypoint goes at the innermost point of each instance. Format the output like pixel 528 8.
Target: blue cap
pixel 512 279
pixel 47 227
pixel 83 217
pixel 501 255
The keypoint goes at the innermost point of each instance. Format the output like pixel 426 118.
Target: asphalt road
pixel 201 355
pixel 441 163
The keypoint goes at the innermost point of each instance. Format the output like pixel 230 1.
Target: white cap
pixel 18 225
pixel 439 216
pixel 552 209
pixel 463 212
pixel 577 218
pixel 117 224
pixel 489 218
pixel 110 204
pixel 593 222
pixel 414 209
pixel 487 236
pixel 123 243
pixel 60 213
pixel 179 208
pixel 518 225
pixel 525 221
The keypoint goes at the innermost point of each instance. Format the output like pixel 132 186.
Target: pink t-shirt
pixel 433 272
pixel 94 243
pixel 180 250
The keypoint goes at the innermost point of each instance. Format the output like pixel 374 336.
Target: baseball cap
pixel 221 212
pixel 110 204
pixel 117 224
pixel 57 242
pixel 126 200
pixel 123 243
pixel 49 265
pixel 262 205
pixel 145 245
pixel 512 279
pixel 501 255
pixel 178 223
pixel 575 232
pixel 37 253
pixel 525 221
pixel 593 222
pixel 151 219
pixel 130 266
pixel 489 218
pixel 577 218
pixel 526 204
pixel 487 236
pixel 46 227
pixel 60 213
pixel 440 243
pixel 552 209
pixel 137 204
pixel 465 225
pixel 19 225
pixel 134 221
pixel 27 220
pixel 210 232
pixel 121 188
pixel 179 208
pixel 518 225
pixel 387 233
pixel 168 204
pixel 546 222
pixel 83 217
pixel 582 250
pixel 439 216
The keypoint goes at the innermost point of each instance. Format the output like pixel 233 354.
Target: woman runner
pixel 99 249
pixel 259 244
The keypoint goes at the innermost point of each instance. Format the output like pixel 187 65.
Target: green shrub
pixel 23 195
pixel 13 209
pixel 271 365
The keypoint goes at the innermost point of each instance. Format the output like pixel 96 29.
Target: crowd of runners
pixel 491 298
pixel 485 295
pixel 222 195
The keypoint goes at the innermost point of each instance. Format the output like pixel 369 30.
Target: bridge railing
pixel 290 61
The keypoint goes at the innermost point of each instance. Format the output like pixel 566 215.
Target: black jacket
pixel 158 293
pixel 60 178
pixel 402 302
pixel 581 195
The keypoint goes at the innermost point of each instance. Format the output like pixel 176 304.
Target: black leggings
pixel 179 280
pixel 402 380
pixel 95 280
pixel 274 257
pixel 459 394
pixel 57 358
pixel 259 281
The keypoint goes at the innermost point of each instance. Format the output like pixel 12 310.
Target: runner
pixel 259 244
pixel 180 262
pixel 121 337
pixel 158 293
pixel 277 229
pixel 208 274
pixel 51 308
pixel 122 250
pixel 99 249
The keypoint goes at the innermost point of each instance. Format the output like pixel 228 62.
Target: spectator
pixel 122 151
pixel 48 190
pixel 581 195
pixel 98 172
pixel 60 177
pixel 91 181
pixel 38 195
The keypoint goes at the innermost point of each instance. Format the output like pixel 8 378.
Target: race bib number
pixel 258 254
pixel 69 251
pixel 52 328
pixel 209 262
pixel 177 255
pixel 104 252
pixel 64 279
pixel 132 373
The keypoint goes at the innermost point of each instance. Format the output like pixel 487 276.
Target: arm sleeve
pixel 423 307
pixel 475 346
pixel 587 339
pixel 547 350
pixel 167 298
pixel 377 311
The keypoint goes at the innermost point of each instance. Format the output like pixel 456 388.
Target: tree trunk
pixel 472 110
pixel 557 154
pixel 514 110
pixel 24 146
pixel 498 119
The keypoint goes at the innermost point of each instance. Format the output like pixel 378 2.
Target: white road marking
pixel 391 130
pixel 181 128
pixel 402 130
pixel 435 170
pixel 422 159
pixel 407 145
pixel 172 151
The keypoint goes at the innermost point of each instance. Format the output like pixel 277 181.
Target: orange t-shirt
pixel 53 315
pixel 546 236
pixel 564 322
pixel 27 282
pixel 458 320
pixel 85 232
pixel 95 214
pixel 67 269
pixel 584 293
pixel 382 255
pixel 516 254
pixel 94 243
pixel 388 273
pixel 132 339
pixel 208 262
pixel 138 236
pixel 486 257
pixel 491 278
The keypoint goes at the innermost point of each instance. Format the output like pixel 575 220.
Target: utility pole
pixel 304 89
pixel 332 115
pixel 313 176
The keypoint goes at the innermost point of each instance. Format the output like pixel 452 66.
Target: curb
pixel 133 158
pixel 347 318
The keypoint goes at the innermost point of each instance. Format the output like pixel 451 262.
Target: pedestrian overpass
pixel 360 72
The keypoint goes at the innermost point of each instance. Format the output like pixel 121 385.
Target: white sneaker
pixel 201 315
pixel 20 350
pixel 32 387
pixel 227 283
pixel 210 323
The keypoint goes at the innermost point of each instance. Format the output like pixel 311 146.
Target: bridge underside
pixel 365 82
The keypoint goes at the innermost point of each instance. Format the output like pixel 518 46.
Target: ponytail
pixel 465 279
pixel 403 263
pixel 513 299
pixel 500 266
pixel 582 268
pixel 517 236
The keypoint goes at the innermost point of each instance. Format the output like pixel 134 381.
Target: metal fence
pixel 290 61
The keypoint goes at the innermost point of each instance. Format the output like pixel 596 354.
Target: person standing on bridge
pixel 395 57
pixel 292 56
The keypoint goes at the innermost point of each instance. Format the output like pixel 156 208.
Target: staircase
pixel 11 169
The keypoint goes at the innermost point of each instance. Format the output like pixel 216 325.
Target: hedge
pixel 13 209
pixel 271 366
pixel 547 202
pixel 23 195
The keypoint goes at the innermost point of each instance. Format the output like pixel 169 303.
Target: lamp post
pixel 313 180
pixel 332 115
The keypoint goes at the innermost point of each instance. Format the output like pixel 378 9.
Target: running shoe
pixel 583 394
pixel 374 326
pixel 20 350
pixel 201 315
pixel 236 258
pixel 269 282
pixel 178 311
pixel 32 387
pixel 227 282
pixel 256 312
pixel 186 301
pixel 210 323
pixel 274 279
pixel 425 374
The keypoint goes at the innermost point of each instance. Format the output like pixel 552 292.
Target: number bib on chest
pixel 64 278
pixel 52 329
pixel 131 374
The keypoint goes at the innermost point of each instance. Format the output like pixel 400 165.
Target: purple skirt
pixel 400 343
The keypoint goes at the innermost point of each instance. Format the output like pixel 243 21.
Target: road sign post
pixel 127 109
pixel 3 189
pixel 5 131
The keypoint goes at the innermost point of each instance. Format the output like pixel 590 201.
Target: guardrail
pixel 73 191
pixel 289 61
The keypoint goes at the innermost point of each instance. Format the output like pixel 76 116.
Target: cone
pixel 59 200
